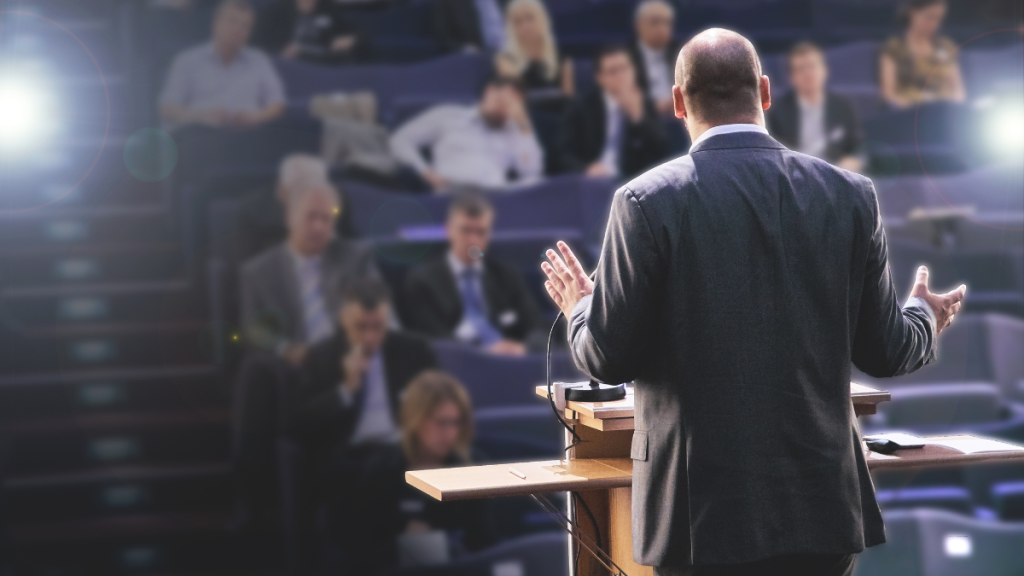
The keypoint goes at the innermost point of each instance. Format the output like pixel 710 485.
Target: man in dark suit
pixel 352 382
pixel 735 287
pixel 811 119
pixel 310 30
pixel 469 25
pixel 654 52
pixel 468 296
pixel 614 130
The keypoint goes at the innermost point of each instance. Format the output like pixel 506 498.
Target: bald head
pixel 719 75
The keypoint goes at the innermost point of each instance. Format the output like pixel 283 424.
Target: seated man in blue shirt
pixel 223 82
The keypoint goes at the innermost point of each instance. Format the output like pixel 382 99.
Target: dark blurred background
pixel 259 258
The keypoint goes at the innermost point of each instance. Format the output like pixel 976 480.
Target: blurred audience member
pixel 921 66
pixel 261 213
pixel 352 382
pixel 487 145
pixel 223 82
pixel 614 130
pixel 530 52
pixel 469 297
pixel 310 30
pixel 469 25
pixel 812 120
pixel 376 520
pixel 290 293
pixel 654 54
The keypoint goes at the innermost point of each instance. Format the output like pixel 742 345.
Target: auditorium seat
pixel 535 555
pixel 975 348
pixel 533 420
pixel 952 498
pixel 495 381
pixel 927 542
pixel 1008 499
pixel 949 404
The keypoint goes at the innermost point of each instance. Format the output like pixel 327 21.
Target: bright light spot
pixel 21 112
pixel 1007 129
pixel 958 546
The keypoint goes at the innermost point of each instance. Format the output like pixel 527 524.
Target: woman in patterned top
pixel 921 66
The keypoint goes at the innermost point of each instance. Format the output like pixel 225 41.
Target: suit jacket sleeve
pixel 423 314
pixel 610 331
pixel 646 143
pixel 571 135
pixel 258 328
pixel 853 135
pixel 889 340
pixel 317 411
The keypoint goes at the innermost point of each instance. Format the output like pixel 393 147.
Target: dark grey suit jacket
pixel 735 286
pixel 271 311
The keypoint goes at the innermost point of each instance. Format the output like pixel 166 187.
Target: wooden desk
pixel 600 471
pixel 618 415
pixel 582 474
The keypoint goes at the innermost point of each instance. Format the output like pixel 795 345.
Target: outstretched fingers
pixel 573 264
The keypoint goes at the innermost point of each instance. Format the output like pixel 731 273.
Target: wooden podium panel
pixel 540 477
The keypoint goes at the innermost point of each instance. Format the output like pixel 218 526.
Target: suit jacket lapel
pixel 291 300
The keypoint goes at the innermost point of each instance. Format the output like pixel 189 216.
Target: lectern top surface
pixel 523 478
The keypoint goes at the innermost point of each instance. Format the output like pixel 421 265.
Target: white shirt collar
pixel 458 267
pixel 651 53
pixel 729 129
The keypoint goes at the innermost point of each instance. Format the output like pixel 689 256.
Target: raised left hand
pixel 567 282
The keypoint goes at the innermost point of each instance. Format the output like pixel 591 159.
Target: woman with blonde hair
pixel 376 521
pixel 530 54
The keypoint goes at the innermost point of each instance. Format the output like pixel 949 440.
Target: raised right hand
pixel 353 367
pixel 945 306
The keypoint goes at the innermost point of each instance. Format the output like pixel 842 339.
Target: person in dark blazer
pixel 654 52
pixel 261 212
pixel 469 25
pixel 812 120
pixel 613 130
pixel 314 31
pixel 735 287
pixel 290 292
pixel 467 296
pixel 352 383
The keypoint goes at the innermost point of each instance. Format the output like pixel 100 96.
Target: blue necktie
pixel 473 308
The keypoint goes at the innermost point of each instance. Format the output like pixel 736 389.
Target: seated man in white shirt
pixel 223 82
pixel 489 145
pixel 352 382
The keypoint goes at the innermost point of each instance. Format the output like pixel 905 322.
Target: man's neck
pixel 812 98
pixel 652 47
pixel 225 55
pixel 298 250
pixel 697 129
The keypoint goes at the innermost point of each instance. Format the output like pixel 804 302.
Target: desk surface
pixel 606 473
pixel 860 395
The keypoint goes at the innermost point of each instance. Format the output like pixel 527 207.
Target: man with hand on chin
pixel 735 287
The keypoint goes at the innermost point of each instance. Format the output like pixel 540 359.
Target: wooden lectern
pixel 600 470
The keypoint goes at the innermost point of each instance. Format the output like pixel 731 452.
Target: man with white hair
pixel 261 220
pixel 290 298
pixel 289 292
pixel 223 82
pixel 654 53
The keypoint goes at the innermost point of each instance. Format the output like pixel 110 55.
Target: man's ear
pixel 766 93
pixel 678 106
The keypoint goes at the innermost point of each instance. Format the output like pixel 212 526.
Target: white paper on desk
pixel 974 445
